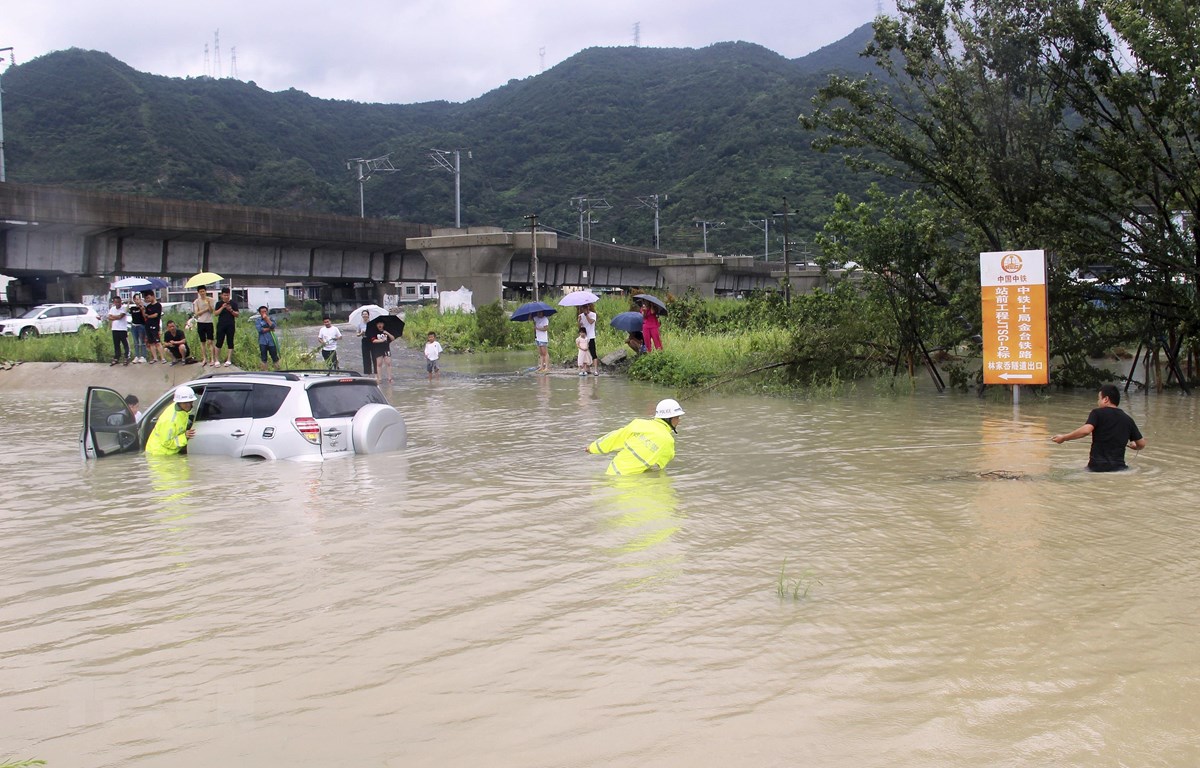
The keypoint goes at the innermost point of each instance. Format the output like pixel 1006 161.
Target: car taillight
pixel 308 426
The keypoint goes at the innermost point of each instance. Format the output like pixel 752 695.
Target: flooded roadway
pixel 488 597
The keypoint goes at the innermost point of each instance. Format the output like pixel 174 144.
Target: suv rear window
pixel 266 399
pixel 342 398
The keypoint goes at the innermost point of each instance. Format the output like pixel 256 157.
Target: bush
pixel 492 324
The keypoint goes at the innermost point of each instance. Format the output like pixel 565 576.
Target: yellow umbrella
pixel 202 278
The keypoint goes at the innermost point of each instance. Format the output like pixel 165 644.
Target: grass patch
pixel 96 347
pixel 794 588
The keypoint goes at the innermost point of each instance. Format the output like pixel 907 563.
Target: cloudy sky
pixel 405 51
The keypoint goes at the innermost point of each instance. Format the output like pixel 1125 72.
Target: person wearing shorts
pixel 266 338
pixel 433 350
pixel 381 351
pixel 202 313
pixel 226 312
pixel 541 336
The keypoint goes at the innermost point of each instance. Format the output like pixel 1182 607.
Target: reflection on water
pixel 490 597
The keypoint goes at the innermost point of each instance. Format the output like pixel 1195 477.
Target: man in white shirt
pixel 118 321
pixel 328 334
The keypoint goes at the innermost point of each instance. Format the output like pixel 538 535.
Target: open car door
pixel 108 425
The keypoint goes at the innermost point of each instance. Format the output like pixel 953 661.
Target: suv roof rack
pixel 291 374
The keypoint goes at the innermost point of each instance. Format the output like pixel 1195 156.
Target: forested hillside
pixel 713 132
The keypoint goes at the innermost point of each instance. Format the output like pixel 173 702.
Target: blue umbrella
pixel 627 321
pixel 527 311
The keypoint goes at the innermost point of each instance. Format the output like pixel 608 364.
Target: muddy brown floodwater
pixel 959 592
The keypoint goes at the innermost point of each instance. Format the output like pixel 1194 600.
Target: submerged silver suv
pixel 297 415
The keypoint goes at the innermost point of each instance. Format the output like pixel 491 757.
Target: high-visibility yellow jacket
pixel 170 433
pixel 642 444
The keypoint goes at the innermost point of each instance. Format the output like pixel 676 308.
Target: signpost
pixel 1015 318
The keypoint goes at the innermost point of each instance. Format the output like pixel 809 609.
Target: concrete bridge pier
pixel 697 273
pixel 474 258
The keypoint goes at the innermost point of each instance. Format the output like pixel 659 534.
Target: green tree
pixel 901 248
pixel 1053 124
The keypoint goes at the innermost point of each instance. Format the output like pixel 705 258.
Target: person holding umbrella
pixel 587 321
pixel 650 311
pixel 539 312
pixel 643 444
pixel 541 336
pixel 202 314
pixel 364 332
pixel 631 323
pixel 381 350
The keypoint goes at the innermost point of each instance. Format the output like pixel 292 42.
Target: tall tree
pixel 1068 125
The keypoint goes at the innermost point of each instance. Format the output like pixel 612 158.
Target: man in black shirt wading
pixel 1112 430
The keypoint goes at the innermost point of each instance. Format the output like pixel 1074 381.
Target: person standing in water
pixel 1112 431
pixel 642 444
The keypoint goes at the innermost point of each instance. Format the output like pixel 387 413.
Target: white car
pixel 52 318
pixel 296 415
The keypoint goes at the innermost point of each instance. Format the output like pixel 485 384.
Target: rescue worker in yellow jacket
pixel 174 427
pixel 642 444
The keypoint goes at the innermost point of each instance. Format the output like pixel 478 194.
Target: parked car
pixel 52 318
pixel 177 307
pixel 296 415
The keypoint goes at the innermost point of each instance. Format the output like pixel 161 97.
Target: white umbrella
pixel 373 310
pixel 129 282
pixel 578 299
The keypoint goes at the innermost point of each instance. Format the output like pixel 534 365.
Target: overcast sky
pixel 405 51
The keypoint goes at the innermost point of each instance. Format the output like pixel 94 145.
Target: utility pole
pixel 217 53
pixel 765 226
pixel 365 169
pixel 442 158
pixel 586 205
pixel 12 61
pixel 705 225
pixel 533 223
pixel 787 265
pixel 651 201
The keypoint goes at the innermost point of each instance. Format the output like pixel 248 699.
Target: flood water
pixel 488 597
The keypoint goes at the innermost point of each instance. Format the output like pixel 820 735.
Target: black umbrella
pixel 653 300
pixel 391 323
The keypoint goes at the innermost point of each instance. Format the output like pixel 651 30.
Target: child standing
pixel 584 358
pixel 433 349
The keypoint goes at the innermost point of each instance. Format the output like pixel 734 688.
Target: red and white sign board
pixel 1015 317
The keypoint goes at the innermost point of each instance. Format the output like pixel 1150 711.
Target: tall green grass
pixel 96 347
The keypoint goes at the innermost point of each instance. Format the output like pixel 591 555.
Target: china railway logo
pixel 1011 263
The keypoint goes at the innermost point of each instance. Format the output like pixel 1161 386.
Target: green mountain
pixel 712 131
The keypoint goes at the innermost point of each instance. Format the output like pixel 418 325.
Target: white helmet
pixel 668 409
pixel 184 394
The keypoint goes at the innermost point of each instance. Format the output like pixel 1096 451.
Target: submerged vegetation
pixel 795 588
